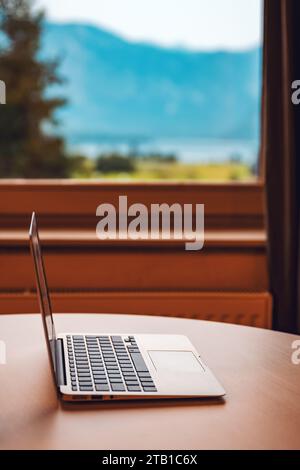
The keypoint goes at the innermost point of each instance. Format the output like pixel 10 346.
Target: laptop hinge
pixel 60 363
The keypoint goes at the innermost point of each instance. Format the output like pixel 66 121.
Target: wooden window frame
pixel 234 230
pixel 229 279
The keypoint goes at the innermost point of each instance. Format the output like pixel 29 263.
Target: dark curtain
pixel 280 157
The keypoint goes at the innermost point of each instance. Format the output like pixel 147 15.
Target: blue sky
pixel 196 24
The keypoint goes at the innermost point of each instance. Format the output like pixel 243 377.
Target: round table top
pixel 260 411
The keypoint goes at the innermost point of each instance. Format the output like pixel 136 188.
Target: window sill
pixel 246 238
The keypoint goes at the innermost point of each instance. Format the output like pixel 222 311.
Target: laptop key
pixel 149 389
pixel 144 374
pixel 148 385
pixel 116 338
pixel 117 387
pixel 132 384
pixel 133 388
pixel 102 388
pixel 139 362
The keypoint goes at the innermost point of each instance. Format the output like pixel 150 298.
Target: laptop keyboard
pixel 107 364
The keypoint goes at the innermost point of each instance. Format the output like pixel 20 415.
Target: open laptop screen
pixel 42 287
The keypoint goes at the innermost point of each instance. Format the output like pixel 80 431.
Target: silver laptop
pixel 107 366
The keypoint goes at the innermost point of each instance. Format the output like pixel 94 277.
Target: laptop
pixel 105 366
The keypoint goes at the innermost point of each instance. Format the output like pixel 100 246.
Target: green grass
pixel 148 170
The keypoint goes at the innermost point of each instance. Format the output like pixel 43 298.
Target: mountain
pixel 116 87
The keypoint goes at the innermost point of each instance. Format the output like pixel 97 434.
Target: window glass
pixel 131 89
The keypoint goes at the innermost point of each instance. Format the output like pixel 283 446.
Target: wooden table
pixel 261 409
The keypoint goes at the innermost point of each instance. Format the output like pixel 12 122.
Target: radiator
pixel 251 309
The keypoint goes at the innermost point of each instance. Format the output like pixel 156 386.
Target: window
pixel 154 90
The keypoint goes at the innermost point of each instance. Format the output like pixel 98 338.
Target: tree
pixel 26 149
pixel 115 163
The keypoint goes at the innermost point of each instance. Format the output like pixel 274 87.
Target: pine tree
pixel 26 149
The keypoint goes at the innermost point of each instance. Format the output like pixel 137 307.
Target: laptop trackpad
pixel 175 361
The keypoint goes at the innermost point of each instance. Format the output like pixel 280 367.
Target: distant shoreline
pixel 187 150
